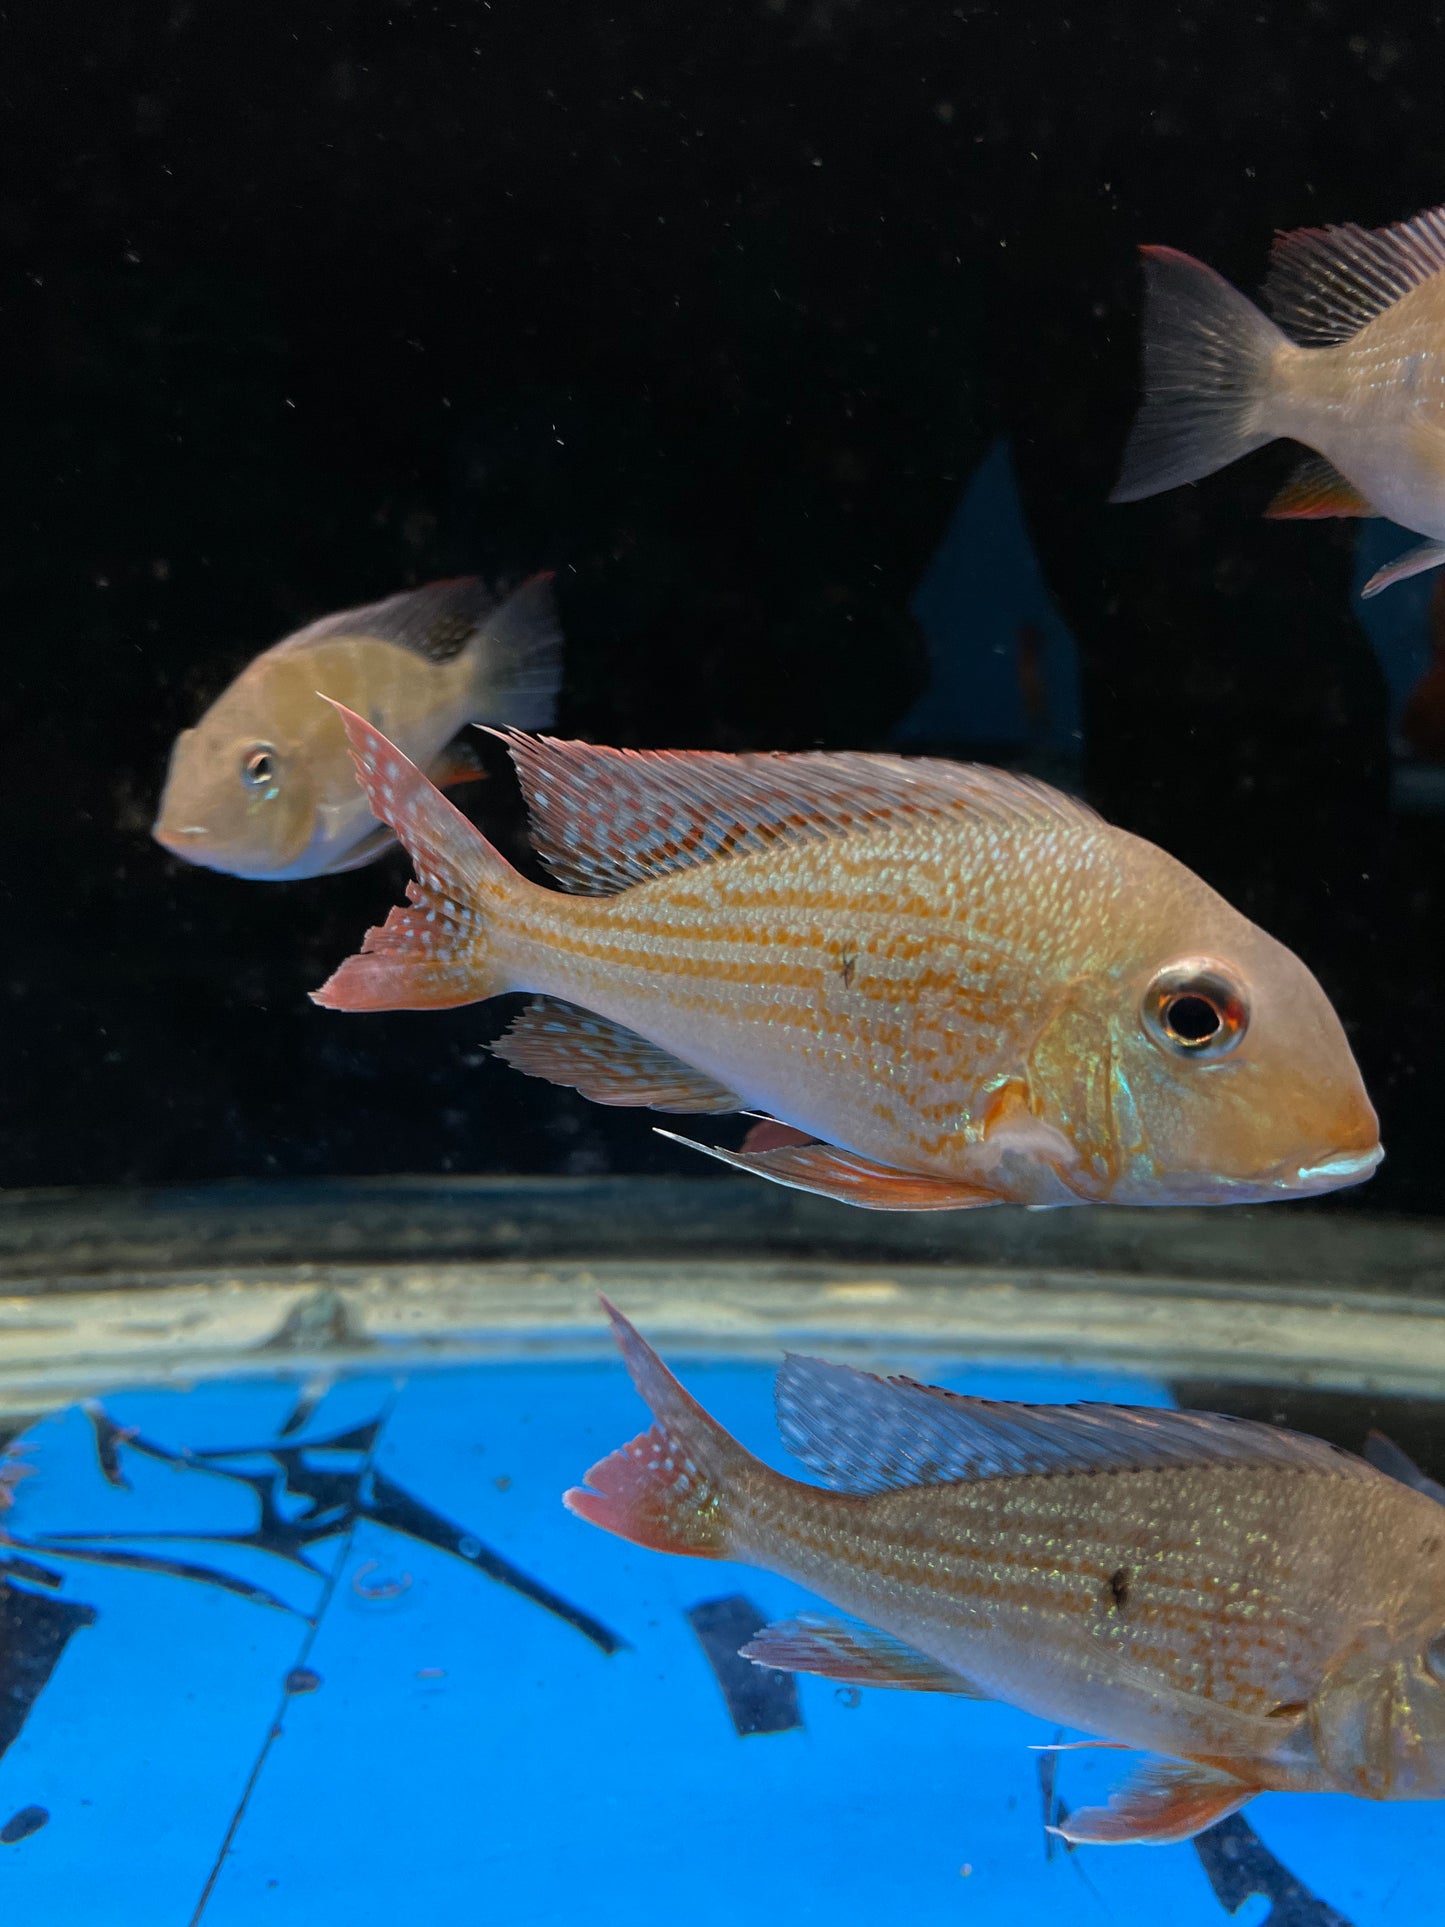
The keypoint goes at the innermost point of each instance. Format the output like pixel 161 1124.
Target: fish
pixel 965 985
pixel 1352 365
pixel 262 787
pixel 1254 1609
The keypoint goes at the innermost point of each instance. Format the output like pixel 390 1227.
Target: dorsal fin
pixel 1326 283
pixel 867 1434
pixel 436 621
pixel 605 819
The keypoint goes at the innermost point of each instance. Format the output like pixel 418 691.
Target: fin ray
pixel 668 1488
pixel 1316 490
pixel 430 955
pixel 853 1653
pixel 568 1045
pixel 863 1433
pixel 604 819
pixel 1425 555
pixel 1163 1802
pixel 1327 283
pixel 1207 357
pixel 828 1172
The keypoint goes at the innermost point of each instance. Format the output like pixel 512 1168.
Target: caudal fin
pixel 673 1487
pixel 1207 359
pixel 518 657
pixel 434 954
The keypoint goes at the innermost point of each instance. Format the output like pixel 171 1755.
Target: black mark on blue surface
pixel 759 1698
pixel 34 1632
pixel 1240 1865
pixel 21 1825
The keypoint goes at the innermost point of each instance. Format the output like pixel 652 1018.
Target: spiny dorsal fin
pixel 436 621
pixel 1316 490
pixel 868 1434
pixel 605 819
pixel 1326 283
pixel 591 1054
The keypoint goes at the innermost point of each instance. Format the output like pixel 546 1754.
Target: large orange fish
pixel 1353 365
pixel 1263 1609
pixel 967 986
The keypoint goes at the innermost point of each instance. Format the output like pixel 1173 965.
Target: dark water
pixel 715 309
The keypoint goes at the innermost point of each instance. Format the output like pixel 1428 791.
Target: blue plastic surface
pixel 448 1750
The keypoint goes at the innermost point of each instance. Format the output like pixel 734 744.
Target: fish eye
pixel 259 767
pixel 1194 1009
pixel 1435 1657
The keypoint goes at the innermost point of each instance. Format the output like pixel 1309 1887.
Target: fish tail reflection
pixel 670 1488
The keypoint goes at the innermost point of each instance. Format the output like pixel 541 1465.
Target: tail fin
pixel 433 955
pixel 1207 356
pixel 518 658
pixel 671 1488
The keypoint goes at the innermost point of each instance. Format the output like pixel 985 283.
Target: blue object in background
pixel 1005 667
pixel 401 1737
pixel 1397 621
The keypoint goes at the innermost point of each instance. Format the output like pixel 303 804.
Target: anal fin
pixel 829 1172
pixel 1428 555
pixel 855 1654
pixel 611 1065
pixel 1165 1801
pixel 1316 490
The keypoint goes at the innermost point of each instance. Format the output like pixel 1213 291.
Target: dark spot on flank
pixel 1119 1587
pixel 1290 1710
pixel 1428 1547
pixel 847 965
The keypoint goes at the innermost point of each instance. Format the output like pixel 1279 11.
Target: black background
pixel 712 308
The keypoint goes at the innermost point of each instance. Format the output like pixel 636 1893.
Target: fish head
pixel 241 792
pixel 1203 1063
pixel 1378 1720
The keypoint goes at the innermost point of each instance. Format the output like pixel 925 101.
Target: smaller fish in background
pixel 1352 365
pixel 262 787
pixel 1258 1609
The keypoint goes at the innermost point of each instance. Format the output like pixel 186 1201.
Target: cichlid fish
pixel 1354 368
pixel 966 984
pixel 1263 1609
pixel 263 787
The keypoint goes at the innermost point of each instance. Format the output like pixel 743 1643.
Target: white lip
pixel 1358 1164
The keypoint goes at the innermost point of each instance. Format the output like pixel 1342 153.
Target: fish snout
pixel 1349 1165
pixel 181 839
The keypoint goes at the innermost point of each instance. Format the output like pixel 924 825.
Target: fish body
pixel 964 985
pixel 1352 365
pixel 1264 1610
pixel 263 787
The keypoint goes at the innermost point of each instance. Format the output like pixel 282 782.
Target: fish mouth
pixel 1345 1167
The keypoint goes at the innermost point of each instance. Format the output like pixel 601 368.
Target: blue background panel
pixel 458 1752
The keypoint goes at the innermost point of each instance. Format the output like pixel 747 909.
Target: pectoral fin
pixel 611 1065
pixel 1429 555
pixel 829 1172
pixel 857 1655
pixel 1165 1801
